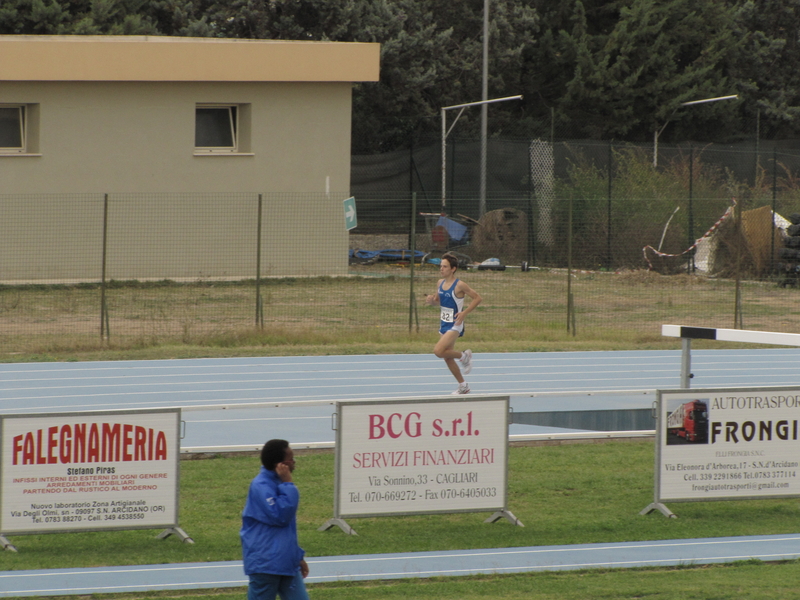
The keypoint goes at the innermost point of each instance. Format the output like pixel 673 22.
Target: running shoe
pixel 463 388
pixel 466 362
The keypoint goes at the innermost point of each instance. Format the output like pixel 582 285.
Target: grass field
pixel 369 313
pixel 567 494
pixel 564 494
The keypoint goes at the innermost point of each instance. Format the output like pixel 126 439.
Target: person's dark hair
pixel 273 452
pixel 451 258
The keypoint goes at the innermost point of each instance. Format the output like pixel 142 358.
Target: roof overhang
pixel 153 58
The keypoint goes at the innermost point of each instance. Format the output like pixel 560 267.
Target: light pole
pixel 484 108
pixel 657 132
pixel 446 132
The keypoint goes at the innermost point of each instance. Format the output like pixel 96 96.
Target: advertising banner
pixel 89 471
pixel 716 444
pixel 421 456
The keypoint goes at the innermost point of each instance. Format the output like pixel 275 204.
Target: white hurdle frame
pixel 687 334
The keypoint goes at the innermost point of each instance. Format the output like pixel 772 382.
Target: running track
pixel 238 403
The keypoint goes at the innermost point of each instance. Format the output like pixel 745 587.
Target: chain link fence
pixel 586 238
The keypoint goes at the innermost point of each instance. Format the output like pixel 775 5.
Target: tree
pixel 766 70
pixel 101 17
pixel 634 62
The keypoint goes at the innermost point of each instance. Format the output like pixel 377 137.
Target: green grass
pixel 368 313
pixel 565 494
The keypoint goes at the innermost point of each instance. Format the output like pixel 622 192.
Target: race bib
pixel 448 315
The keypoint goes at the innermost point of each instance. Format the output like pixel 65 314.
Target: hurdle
pixel 687 334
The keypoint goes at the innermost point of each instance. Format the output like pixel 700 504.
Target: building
pixel 162 147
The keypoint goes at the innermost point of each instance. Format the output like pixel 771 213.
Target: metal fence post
pixel 104 332
pixel 608 233
pixel 570 298
pixel 690 266
pixel 259 299
pixel 412 301
pixel 774 208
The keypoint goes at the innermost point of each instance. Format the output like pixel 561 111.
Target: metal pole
pixel 737 308
pixel 259 301
pixel 658 132
pixel 774 203
pixel 484 108
pixel 103 311
pixel 690 266
pixel 444 157
pixel 608 217
pixel 686 363
pixel 412 303
pixel 570 301
pixel 445 132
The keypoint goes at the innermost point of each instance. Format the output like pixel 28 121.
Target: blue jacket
pixel 269 526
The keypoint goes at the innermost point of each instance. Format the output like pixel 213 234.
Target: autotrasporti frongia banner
pixel 729 444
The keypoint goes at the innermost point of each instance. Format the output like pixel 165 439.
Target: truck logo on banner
pixel 89 471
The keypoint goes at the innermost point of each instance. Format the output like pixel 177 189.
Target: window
pixel 216 128
pixel 12 128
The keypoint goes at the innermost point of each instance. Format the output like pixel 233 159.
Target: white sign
pixel 717 444
pixel 421 456
pixel 89 471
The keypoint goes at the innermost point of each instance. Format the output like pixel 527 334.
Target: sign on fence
pixel 89 471
pixel 350 216
pixel 726 444
pixel 421 457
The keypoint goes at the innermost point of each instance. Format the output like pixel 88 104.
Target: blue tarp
pixel 455 230
pixel 367 255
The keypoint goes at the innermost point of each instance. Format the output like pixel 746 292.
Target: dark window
pixel 215 128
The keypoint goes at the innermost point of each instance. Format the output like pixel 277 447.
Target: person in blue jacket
pixel 273 559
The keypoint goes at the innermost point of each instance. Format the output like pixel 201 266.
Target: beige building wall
pixel 174 213
pixel 139 137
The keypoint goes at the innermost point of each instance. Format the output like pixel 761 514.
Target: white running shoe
pixel 466 362
pixel 463 388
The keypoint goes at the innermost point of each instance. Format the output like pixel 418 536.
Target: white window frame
pixel 234 111
pixel 23 126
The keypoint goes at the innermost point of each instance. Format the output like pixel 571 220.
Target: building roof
pixel 154 58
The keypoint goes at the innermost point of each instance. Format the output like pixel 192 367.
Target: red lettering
pixel 28 450
pixel 127 442
pixel 111 442
pixel 389 427
pixel 52 444
pixel 93 455
pixel 140 444
pixel 417 431
pixel 80 443
pixel 161 446
pixel 65 444
pixel 376 430
pixel 40 458
pixel 16 448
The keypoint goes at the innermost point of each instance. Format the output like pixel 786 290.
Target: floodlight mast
pixel 446 132
pixel 657 132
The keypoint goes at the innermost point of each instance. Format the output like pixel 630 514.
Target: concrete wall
pixel 139 137
pixel 135 141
